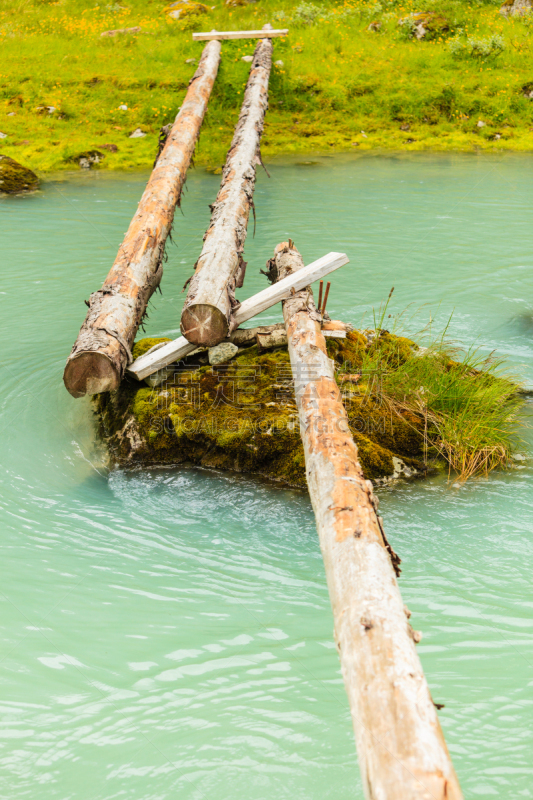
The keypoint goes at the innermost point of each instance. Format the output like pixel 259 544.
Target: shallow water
pixel 168 634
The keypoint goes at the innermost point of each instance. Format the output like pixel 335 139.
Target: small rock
pixel 185 8
pixel 480 123
pixel 3 135
pixel 519 457
pixel 364 134
pixel 222 353
pixel 137 134
pixel 123 107
pixel 405 127
pixel 120 31
pixel 111 147
pixel 374 27
pixel 190 61
pixel 12 114
pixel 497 136
pixel 87 159
pixel 248 59
pixel 46 109
pixel 15 178
pixel 355 144
pixel 279 64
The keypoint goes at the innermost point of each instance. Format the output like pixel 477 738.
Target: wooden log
pixel 263 34
pixel 401 748
pixel 331 325
pixel 179 348
pixel 102 349
pixel 277 336
pixel 206 318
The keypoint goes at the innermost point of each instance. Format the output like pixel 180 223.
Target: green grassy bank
pixel 341 85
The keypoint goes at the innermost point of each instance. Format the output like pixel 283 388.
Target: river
pixel 168 634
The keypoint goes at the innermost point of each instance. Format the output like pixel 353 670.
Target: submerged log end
pixel 90 372
pixel 204 325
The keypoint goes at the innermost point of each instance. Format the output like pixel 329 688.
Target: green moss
pixel 142 347
pixel 14 178
pixel 242 416
pixel 402 402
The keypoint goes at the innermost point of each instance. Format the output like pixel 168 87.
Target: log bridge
pixel 401 748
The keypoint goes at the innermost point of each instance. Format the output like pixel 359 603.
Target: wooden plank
pixel 401 749
pixel 206 318
pixel 102 349
pixel 179 348
pixel 264 34
pixel 279 291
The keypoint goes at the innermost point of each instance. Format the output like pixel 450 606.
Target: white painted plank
pixel 202 37
pixel 179 348
pixel 282 289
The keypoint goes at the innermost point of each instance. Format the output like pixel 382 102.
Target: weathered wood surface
pixel 263 34
pixel 401 749
pixel 181 347
pixel 102 349
pixel 206 318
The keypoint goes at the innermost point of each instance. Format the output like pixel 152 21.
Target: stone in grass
pixel 248 59
pixel 279 64
pixel 137 134
pixel 425 24
pixel 516 8
pixel 3 135
pixel 222 353
pixel 119 31
pixel 88 159
pixel 14 178
pixel 184 8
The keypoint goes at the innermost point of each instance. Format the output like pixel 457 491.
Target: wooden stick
pixel 264 34
pixel 206 318
pixel 321 289
pixel 179 348
pixel 322 310
pixel 102 349
pixel 401 749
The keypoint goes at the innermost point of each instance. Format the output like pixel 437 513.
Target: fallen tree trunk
pixel 401 749
pixel 206 318
pixel 179 348
pixel 103 347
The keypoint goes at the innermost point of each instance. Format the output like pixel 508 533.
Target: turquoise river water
pixel 167 634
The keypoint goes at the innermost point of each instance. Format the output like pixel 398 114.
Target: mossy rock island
pixel 15 178
pixel 242 415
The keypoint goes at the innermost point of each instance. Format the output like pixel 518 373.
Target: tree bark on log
pixel 401 748
pixel 103 347
pixel 206 318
